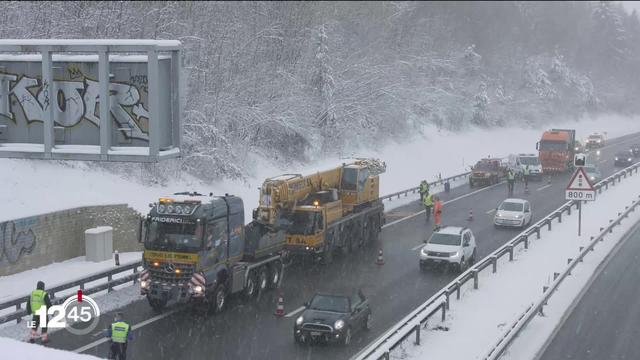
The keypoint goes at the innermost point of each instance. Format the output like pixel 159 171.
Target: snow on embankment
pixel 31 187
pixel 14 349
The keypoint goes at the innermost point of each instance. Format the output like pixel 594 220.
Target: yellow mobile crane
pixel 335 209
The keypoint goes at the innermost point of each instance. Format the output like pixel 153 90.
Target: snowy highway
pixel 251 331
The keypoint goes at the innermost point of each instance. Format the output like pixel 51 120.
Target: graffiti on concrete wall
pixel 16 239
pixel 75 100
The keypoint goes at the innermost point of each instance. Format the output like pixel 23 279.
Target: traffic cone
pixel 470 218
pixel 280 306
pixel 380 260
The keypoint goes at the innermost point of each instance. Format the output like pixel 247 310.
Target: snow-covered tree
pixel 324 86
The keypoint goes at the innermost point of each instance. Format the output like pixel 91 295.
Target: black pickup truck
pixel 332 318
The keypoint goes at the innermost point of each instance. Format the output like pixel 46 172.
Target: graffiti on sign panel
pixel 75 100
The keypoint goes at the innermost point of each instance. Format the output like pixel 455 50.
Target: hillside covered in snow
pixel 294 82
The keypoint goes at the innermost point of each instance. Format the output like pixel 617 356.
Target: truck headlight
pixel 339 324
pixel 616 159
pixel 299 320
pixel 198 289
pixel 629 159
pixel 598 152
pixel 592 178
pixel 454 254
pixel 144 284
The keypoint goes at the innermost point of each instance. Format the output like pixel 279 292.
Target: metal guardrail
pixel 537 308
pixel 414 190
pixel 439 302
pixel 21 310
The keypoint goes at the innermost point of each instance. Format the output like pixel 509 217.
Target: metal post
pixel 109 278
pixel 544 290
pixel 417 330
pixel 538 232
pixel 444 312
pixel 475 279
pixel 549 224
pixel 579 218
pixel 526 242
pixel 154 104
pixel 135 278
pixel 447 299
pixel 105 104
pixel 458 290
pixel 494 262
pixel 18 307
pixel 48 102
pixel 177 87
pixel 555 275
pixel 610 227
pixel 510 247
pixel 559 216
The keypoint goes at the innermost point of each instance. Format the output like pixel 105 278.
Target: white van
pixel 535 167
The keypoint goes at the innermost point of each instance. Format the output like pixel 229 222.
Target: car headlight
pixel 424 251
pixel 144 284
pixel 629 159
pixel 339 324
pixel 616 159
pixel 454 254
pixel 299 320
pixel 592 177
pixel 518 216
pixel 599 141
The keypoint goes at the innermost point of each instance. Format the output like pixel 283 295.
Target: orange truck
pixel 556 150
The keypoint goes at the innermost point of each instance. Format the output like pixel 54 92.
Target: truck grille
pixel 161 274
pixel 317 327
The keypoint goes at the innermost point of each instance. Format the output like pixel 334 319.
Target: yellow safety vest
pixel 37 299
pixel 119 332
pixel 428 200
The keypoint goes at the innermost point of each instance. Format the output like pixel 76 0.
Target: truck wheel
pixel 263 279
pixel 251 289
pixel 274 279
pixel 219 298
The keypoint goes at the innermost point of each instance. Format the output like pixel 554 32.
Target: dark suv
pixel 332 318
pixel 623 158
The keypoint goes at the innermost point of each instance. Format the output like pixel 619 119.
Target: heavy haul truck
pixel 318 214
pixel 198 249
pixel 557 148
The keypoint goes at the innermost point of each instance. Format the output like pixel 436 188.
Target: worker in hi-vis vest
pixel 38 299
pixel 120 334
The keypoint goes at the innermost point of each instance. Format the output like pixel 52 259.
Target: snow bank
pixel 27 183
pixel 21 350
pixel 482 316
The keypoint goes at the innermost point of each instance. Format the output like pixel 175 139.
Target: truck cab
pixel 556 149
pixel 196 250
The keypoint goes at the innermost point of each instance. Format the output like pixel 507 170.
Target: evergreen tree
pixel 324 87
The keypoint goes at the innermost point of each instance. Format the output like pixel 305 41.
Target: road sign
pixel 580 187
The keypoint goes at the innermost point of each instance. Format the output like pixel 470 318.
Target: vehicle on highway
pixel 579 147
pixel 451 246
pixel 623 158
pixel 332 318
pixel 513 212
pixel 535 167
pixel 592 173
pixel 635 150
pixel 487 172
pixel 595 140
pixel 556 150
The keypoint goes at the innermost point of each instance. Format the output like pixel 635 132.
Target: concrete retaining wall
pixel 40 240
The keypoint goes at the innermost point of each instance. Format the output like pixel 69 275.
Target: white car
pixel 513 212
pixel 451 246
